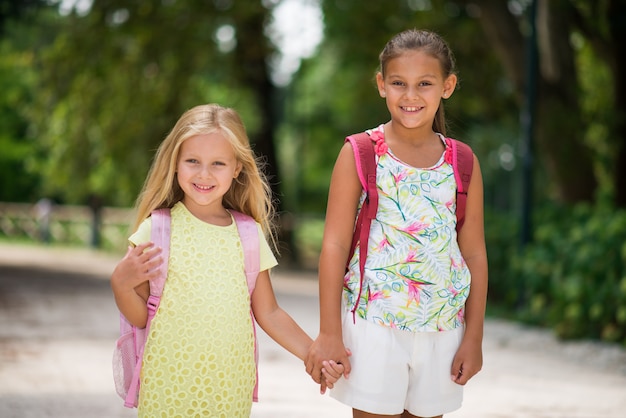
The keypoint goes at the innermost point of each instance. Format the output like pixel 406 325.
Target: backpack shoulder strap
pixel 249 235
pixel 463 165
pixel 160 236
pixel 363 149
pixel 365 160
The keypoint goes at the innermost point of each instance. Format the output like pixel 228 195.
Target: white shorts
pixel 394 370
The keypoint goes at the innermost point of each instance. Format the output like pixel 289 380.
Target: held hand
pixel 467 362
pixel 140 264
pixel 331 373
pixel 324 348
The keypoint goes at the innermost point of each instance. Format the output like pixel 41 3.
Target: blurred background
pixel 89 88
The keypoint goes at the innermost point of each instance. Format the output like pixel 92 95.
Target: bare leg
pixel 406 414
pixel 361 414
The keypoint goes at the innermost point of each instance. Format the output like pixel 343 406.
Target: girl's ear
pixel 380 83
pixel 449 86
pixel 238 169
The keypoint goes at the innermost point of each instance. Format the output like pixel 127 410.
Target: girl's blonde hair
pixel 250 192
pixel 433 45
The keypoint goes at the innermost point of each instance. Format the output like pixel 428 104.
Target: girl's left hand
pixel 467 362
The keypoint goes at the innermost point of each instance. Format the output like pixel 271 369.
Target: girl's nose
pixel 412 92
pixel 205 171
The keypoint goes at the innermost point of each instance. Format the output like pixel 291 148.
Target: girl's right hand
pixel 129 281
pixel 140 264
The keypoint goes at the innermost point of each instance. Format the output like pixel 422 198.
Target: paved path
pixel 58 324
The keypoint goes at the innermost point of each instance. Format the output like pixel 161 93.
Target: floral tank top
pixel 415 277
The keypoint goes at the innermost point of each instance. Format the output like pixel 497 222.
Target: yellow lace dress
pixel 199 357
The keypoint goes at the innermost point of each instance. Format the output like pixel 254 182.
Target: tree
pixel 11 10
pixel 250 65
pixel 562 123
pixel 115 78
pixel 17 181
pixel 604 25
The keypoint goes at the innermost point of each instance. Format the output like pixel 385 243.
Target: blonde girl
pixel 417 331
pixel 199 356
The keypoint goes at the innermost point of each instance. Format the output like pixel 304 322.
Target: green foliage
pixel 18 183
pixel 571 278
pixel 501 238
pixel 112 84
pixel 308 235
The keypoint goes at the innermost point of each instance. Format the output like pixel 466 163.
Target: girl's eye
pixel 192 160
pixel 218 163
pixel 397 83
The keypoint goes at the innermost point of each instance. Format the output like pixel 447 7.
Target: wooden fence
pixel 107 228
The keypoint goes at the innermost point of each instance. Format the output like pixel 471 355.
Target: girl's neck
pixel 415 147
pixel 416 137
pixel 214 215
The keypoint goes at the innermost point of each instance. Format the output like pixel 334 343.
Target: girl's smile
pixel 203 188
pixel 411 109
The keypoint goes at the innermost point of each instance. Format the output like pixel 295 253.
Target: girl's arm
pixel 130 281
pixel 343 198
pixel 275 321
pixel 282 328
pixel 468 360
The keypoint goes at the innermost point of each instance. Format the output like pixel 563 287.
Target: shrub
pixel 574 273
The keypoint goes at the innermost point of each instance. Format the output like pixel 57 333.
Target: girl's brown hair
pixel 430 43
pixel 250 192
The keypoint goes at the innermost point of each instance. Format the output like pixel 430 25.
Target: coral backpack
pixel 128 354
pixel 364 156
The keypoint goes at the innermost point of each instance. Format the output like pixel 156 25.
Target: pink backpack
pixel 364 156
pixel 128 354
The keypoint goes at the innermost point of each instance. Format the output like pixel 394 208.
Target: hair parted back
pixel 430 43
pixel 250 192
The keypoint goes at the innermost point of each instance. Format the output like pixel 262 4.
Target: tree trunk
pixel 252 52
pixel 559 131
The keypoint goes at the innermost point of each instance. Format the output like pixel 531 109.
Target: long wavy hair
pixel 250 192
pixel 430 43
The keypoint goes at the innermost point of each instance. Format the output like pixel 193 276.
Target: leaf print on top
pixel 415 277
